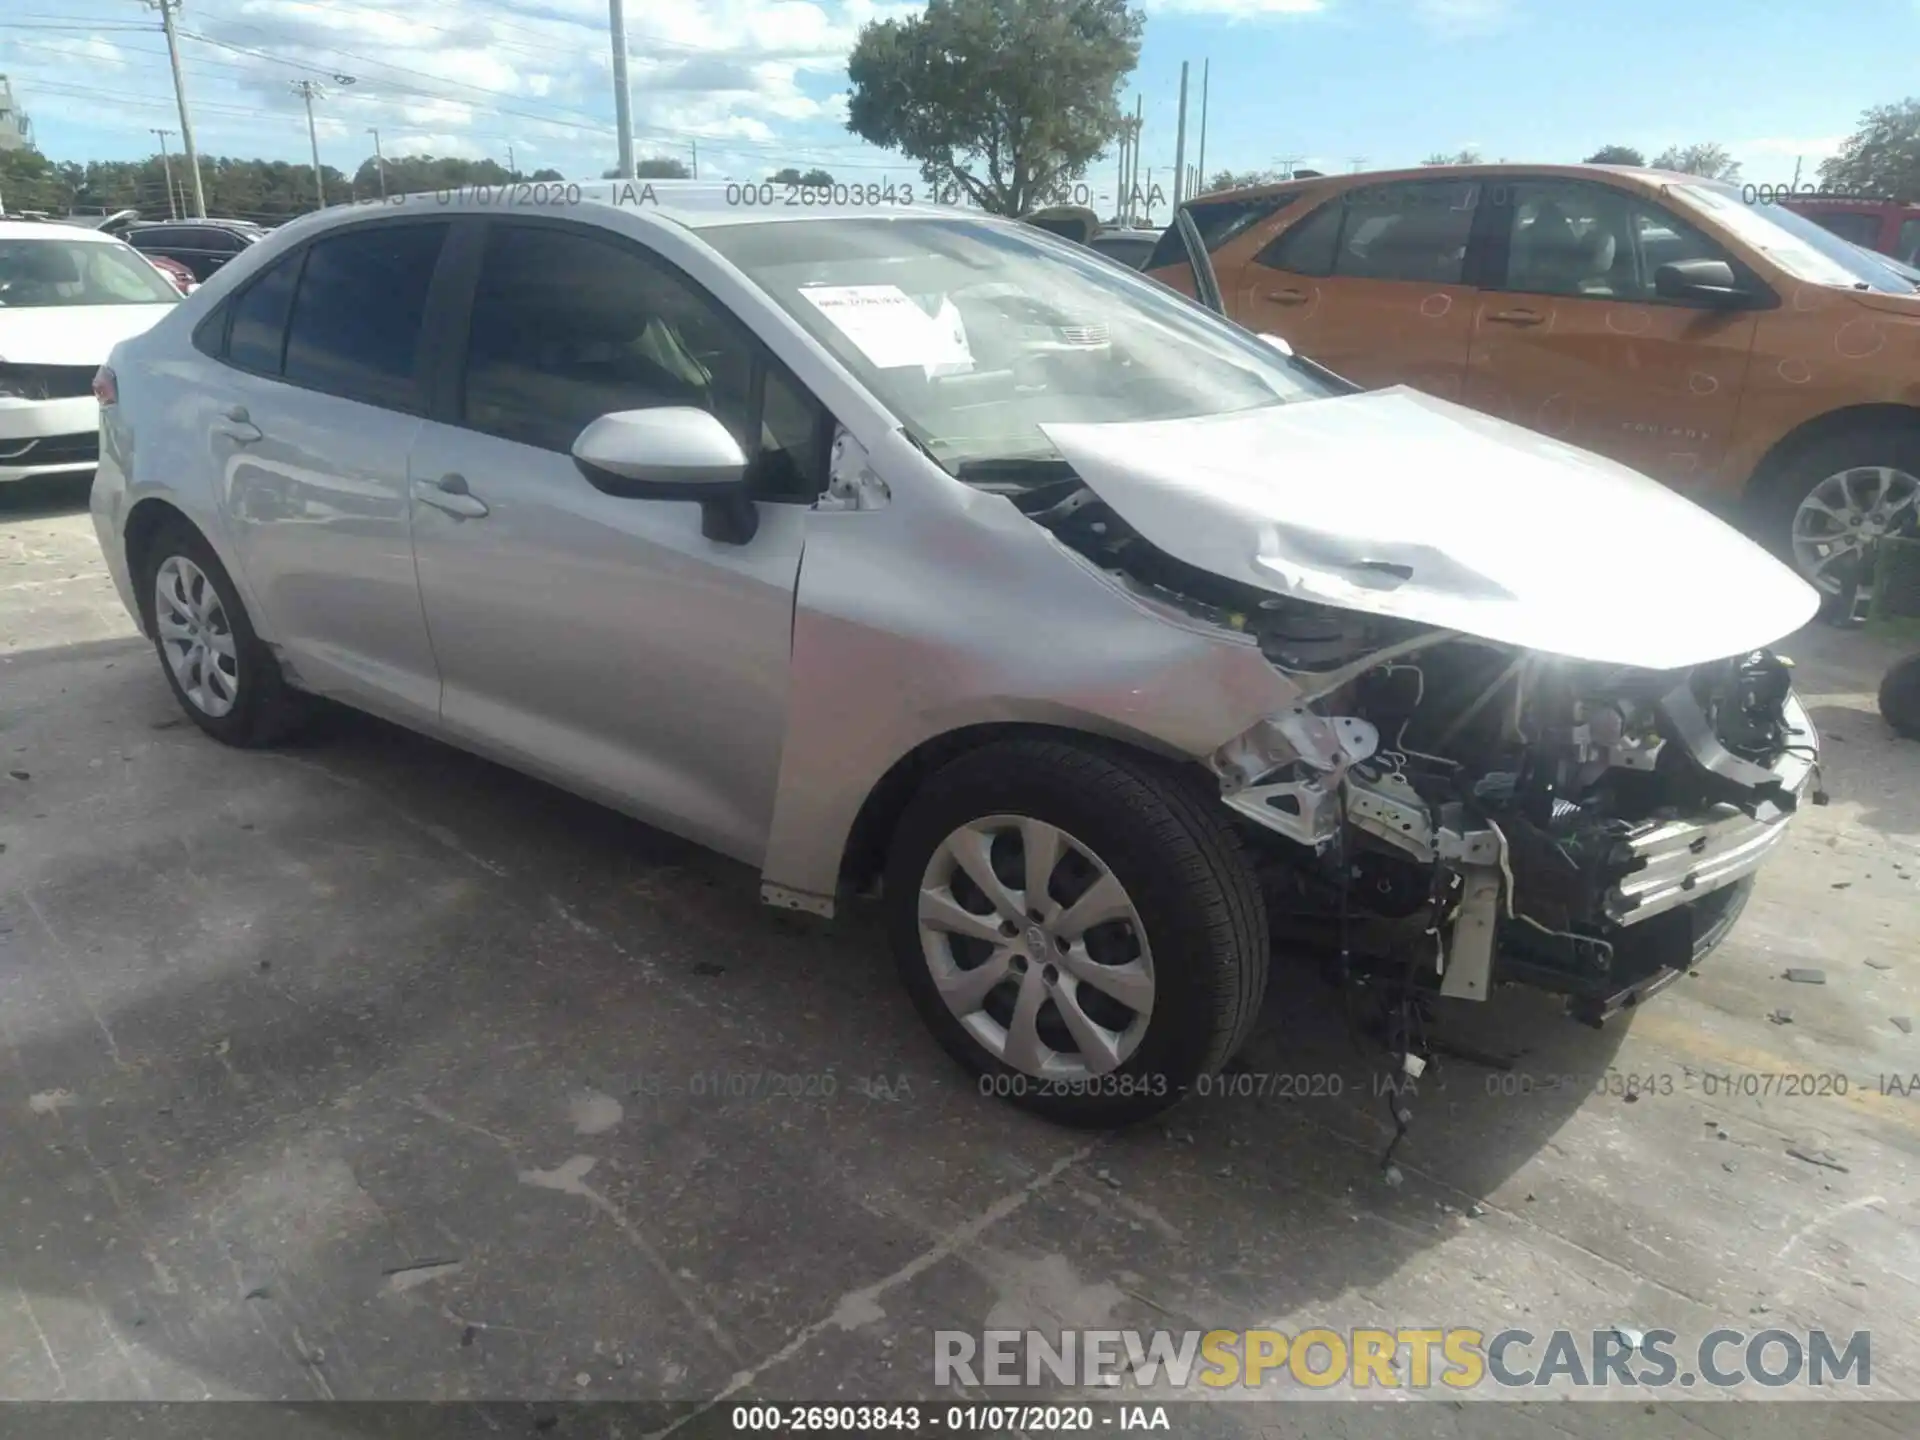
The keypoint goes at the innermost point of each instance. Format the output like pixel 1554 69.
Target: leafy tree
pixel 1458 157
pixel 1882 157
pixel 1005 99
pixel 30 181
pixel 791 175
pixel 660 168
pixel 412 174
pixel 1240 179
pixel 1616 155
pixel 1707 160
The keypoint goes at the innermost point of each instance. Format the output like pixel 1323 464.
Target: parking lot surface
pixel 366 1069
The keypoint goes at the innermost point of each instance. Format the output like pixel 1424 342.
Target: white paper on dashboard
pixel 887 327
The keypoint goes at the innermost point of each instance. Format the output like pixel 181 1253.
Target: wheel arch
pixel 863 855
pixel 1887 415
pixel 144 522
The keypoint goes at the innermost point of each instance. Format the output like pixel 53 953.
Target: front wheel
pixel 1900 697
pixel 1078 926
pixel 1824 510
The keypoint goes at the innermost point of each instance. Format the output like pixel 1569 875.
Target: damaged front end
pixel 1451 813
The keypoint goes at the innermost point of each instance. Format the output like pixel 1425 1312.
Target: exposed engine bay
pixel 1446 813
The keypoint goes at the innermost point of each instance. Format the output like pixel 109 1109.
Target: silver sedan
pixel 906 550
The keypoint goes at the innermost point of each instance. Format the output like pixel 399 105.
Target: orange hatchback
pixel 1736 351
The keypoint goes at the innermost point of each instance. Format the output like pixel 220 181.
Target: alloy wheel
pixel 1036 948
pixel 196 636
pixel 1836 526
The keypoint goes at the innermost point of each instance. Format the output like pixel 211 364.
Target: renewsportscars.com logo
pixel 1458 1358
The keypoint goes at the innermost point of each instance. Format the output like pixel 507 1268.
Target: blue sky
pixel 755 84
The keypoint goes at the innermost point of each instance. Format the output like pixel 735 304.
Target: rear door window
pixel 354 330
pixel 258 337
pixel 1413 230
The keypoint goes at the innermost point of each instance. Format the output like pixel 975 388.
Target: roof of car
pixel 1644 176
pixel 58 229
pixel 695 204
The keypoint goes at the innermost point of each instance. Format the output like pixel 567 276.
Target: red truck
pixel 1874 222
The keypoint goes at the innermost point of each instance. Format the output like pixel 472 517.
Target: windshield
pixel 41 273
pixel 976 333
pixel 1793 242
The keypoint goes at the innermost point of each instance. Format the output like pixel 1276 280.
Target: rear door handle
pixel 449 493
pixel 236 426
pixel 1287 297
pixel 1516 317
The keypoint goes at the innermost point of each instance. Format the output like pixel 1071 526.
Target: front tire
pixel 1078 927
pixel 223 675
pixel 1823 508
pixel 1900 697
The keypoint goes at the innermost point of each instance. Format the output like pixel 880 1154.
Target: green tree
pixel 1881 157
pixel 1005 99
pixel 1707 160
pixel 1240 179
pixel 663 167
pixel 792 175
pixel 1458 157
pixel 1616 155
pixel 30 181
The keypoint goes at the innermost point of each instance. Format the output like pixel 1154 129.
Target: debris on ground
pixel 1823 1158
pixel 1782 1016
pixel 1806 976
pixel 1879 964
pixel 1903 1024
pixel 21 774
pixel 1634 1338
pixel 1476 1210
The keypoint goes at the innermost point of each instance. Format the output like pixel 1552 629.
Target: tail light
pixel 106 389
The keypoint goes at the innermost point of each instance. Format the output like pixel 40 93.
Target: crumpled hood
pixel 1396 503
pixel 71 334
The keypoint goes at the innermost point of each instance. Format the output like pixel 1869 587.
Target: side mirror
pixel 1277 343
pixel 1708 281
pixel 673 453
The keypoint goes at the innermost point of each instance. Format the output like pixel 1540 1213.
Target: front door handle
pixel 1287 297
pixel 450 494
pixel 235 424
pixel 1516 317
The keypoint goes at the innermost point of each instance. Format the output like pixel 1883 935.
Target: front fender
pixel 948 608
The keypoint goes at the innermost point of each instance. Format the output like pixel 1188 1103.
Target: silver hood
pixel 1396 503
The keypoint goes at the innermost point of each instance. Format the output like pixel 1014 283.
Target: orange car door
pixel 1371 284
pixel 1575 342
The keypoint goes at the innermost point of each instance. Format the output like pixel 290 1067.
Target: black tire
pixel 1779 493
pixel 1900 697
pixel 1167 843
pixel 266 708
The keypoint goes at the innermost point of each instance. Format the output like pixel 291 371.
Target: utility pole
pixel 167 9
pixel 308 90
pixel 379 160
pixel 1133 151
pixel 1200 164
pixel 622 99
pixel 1796 171
pixel 1356 161
pixel 1286 164
pixel 513 170
pixel 166 167
pixel 1180 142
pixel 696 158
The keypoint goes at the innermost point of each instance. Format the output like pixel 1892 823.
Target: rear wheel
pixel 1825 508
pixel 1077 926
pixel 224 677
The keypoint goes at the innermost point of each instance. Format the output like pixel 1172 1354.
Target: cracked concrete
pixel 365 1069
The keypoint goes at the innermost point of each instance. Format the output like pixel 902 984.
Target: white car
pixel 67 297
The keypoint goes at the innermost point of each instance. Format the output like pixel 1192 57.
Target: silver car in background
pixel 911 548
